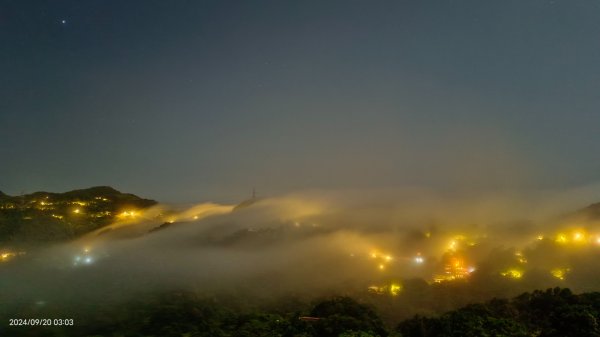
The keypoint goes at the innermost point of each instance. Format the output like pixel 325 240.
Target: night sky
pixel 204 100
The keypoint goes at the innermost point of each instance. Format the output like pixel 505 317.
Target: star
pixel 63 21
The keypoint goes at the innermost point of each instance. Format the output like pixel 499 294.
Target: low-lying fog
pixel 319 242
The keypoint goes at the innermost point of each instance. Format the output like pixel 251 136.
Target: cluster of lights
pixel 419 259
pixel 576 237
pixel 128 214
pixel 559 273
pixel 6 256
pixel 452 245
pixel 458 240
pixel 455 267
pixel 45 205
pixel 83 259
pixel 74 207
pixel 79 207
pixel 520 257
pixel 513 273
pixel 382 258
pixel 394 289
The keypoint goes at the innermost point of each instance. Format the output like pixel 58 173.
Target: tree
pixel 344 315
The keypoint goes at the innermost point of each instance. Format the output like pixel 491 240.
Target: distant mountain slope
pixel 591 212
pixel 47 216
pixel 246 203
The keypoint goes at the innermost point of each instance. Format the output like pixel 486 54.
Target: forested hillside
pixel 51 217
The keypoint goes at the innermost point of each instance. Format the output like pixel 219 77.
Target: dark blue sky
pixel 193 100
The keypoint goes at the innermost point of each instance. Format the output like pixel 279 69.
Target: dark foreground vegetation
pixel 553 312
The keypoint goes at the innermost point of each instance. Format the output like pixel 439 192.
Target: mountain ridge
pixel 50 217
